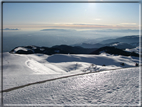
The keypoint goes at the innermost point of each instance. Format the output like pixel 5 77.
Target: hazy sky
pixel 38 16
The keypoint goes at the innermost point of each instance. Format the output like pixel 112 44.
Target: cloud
pixel 97 19
pixel 75 26
pixel 10 29
pixel 128 23
pixel 64 23
pixel 88 26
pixel 55 30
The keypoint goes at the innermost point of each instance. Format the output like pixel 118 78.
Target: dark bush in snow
pixel 122 64
pixel 24 52
pixel 136 64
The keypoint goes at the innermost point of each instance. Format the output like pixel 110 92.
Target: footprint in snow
pixel 109 92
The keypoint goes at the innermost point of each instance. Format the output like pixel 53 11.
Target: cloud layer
pixel 75 26
pixel 91 26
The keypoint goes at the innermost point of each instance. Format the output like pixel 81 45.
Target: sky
pixel 78 16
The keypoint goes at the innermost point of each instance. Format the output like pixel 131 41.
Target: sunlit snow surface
pixel 136 50
pixel 114 87
pixel 107 87
pixel 22 69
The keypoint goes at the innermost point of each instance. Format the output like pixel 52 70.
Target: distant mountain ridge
pixel 121 43
pixel 115 51
pixel 112 46
pixel 125 39
pixel 63 49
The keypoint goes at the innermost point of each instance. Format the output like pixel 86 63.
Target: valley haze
pixel 51 37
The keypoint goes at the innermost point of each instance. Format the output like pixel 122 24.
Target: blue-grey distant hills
pixel 121 43
pixel 89 45
pixel 116 46
pixel 125 39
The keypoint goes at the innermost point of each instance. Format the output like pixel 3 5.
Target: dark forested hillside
pixel 62 49
pixel 115 51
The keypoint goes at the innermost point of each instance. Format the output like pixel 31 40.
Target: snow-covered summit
pixel 24 50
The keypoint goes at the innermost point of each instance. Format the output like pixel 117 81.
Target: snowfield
pixel 136 50
pixel 114 87
pixel 37 79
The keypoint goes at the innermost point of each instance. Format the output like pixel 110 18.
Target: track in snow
pixel 109 88
pixel 40 82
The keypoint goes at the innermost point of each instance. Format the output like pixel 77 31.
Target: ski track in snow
pixel 23 69
pixel 115 87
pixel 108 87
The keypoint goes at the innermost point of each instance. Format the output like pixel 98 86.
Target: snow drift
pixel 36 67
pixel 112 87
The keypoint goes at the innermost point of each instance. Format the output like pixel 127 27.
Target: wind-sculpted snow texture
pixel 23 69
pixel 114 87
pixel 46 79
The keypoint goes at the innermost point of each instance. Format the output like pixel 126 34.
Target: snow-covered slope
pixel 38 79
pixel 121 45
pixel 136 50
pixel 107 88
pixel 23 69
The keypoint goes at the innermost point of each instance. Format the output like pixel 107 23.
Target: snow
pixel 23 49
pixel 20 48
pixel 118 43
pixel 109 86
pixel 17 68
pixel 113 87
pixel 40 68
pixel 115 44
pixel 42 49
pixel 136 50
